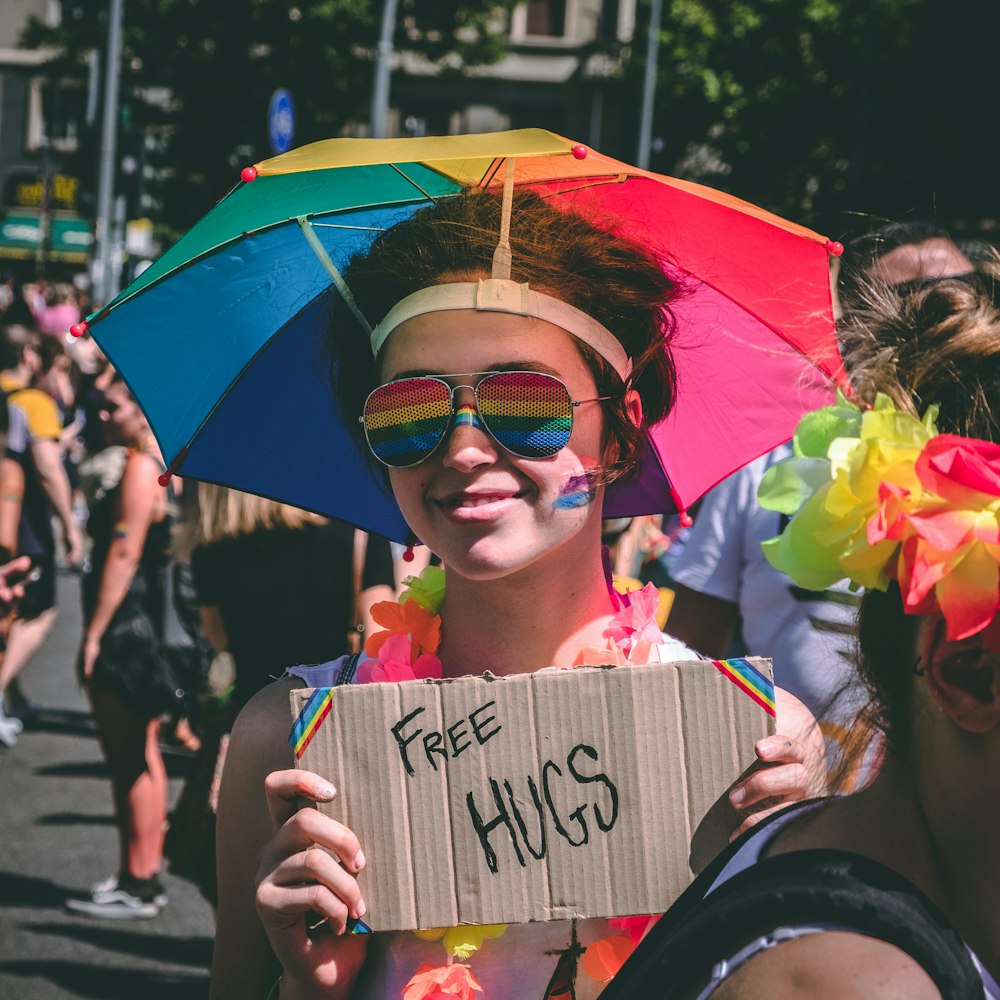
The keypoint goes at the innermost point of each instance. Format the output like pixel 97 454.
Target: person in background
pixel 729 596
pixel 277 586
pixel 119 662
pixel 46 493
pixel 61 311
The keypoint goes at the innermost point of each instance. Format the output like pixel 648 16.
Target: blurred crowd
pixel 194 596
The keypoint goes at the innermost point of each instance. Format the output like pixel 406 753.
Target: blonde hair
pixel 222 513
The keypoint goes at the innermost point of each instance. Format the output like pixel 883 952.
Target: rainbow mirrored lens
pixel 527 413
pixel 405 420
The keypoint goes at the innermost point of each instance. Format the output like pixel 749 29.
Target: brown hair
pixel 933 342
pixel 618 282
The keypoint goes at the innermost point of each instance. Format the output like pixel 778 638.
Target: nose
pixel 468 443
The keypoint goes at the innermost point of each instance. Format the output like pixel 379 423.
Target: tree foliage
pixel 218 61
pixel 828 109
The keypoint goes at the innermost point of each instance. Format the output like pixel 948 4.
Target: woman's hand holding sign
pixel 793 767
pixel 299 874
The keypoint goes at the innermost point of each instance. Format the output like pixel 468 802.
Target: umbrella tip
pixel 79 329
pixel 164 478
pixel 685 518
pixel 248 174
pixel 833 248
pixel 580 152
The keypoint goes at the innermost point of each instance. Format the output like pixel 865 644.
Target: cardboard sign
pixel 597 791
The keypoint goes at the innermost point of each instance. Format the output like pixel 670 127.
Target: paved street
pixel 57 836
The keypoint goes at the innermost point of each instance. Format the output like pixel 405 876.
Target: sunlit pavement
pixel 57 837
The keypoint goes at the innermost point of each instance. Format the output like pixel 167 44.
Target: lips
pixel 476 505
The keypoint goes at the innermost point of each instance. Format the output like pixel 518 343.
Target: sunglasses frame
pixel 452 389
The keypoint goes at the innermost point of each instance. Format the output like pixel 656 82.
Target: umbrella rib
pixel 491 171
pixel 334 225
pixel 338 279
pixel 410 180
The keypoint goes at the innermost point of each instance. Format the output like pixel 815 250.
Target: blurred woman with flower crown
pixel 891 891
pixel 515 515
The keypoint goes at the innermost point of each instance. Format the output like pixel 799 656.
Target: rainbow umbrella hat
pixel 221 339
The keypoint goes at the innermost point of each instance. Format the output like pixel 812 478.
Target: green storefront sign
pixel 21 235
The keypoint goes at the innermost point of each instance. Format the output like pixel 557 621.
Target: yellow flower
pixel 833 497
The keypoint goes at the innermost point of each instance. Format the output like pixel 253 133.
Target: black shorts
pixel 40 594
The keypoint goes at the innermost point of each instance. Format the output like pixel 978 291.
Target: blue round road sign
pixel 281 121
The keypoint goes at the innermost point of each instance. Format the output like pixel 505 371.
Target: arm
pixel 11 500
pixel 133 513
pixel 829 966
pixel 212 627
pixel 704 622
pixel 48 460
pixel 268 876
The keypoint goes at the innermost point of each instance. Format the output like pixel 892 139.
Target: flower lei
pixel 406 649
pixel 879 495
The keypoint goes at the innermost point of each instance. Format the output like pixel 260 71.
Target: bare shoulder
pixel 264 722
pixel 830 966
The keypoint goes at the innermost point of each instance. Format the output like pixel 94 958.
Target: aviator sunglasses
pixel 529 414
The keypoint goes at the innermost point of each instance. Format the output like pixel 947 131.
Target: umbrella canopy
pixel 222 338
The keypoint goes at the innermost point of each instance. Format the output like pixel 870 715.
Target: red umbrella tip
pixel 164 478
pixel 248 174
pixel 580 152
pixel 685 518
pixel 833 248
pixel 79 329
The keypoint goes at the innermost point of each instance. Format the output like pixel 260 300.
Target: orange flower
pixel 447 981
pixel 405 618
pixel 603 959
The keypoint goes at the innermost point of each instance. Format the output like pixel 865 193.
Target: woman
pixel 891 891
pixel 512 507
pixel 123 596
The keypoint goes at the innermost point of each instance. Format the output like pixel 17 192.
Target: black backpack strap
pixel 348 670
pixel 802 888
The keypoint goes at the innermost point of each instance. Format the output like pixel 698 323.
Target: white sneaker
pixel 9 730
pixel 10 722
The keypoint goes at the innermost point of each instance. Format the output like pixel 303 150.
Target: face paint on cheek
pixel 577 491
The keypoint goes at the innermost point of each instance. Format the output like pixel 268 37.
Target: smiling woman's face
pixel 486 512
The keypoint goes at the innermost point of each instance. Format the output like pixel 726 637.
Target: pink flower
pixel 393 664
pixel 950 554
pixel 634 626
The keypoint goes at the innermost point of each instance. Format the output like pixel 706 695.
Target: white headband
pixel 503 295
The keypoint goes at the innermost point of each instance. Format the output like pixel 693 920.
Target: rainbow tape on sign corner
pixel 750 681
pixel 312 716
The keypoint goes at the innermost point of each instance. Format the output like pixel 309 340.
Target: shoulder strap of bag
pixel 796 889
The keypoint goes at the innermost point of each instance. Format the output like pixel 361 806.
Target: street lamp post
pixel 383 67
pixel 649 85
pixel 105 280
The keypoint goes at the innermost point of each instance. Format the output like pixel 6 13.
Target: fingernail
pixel 359 860
pixel 737 795
pixel 362 909
pixel 325 792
